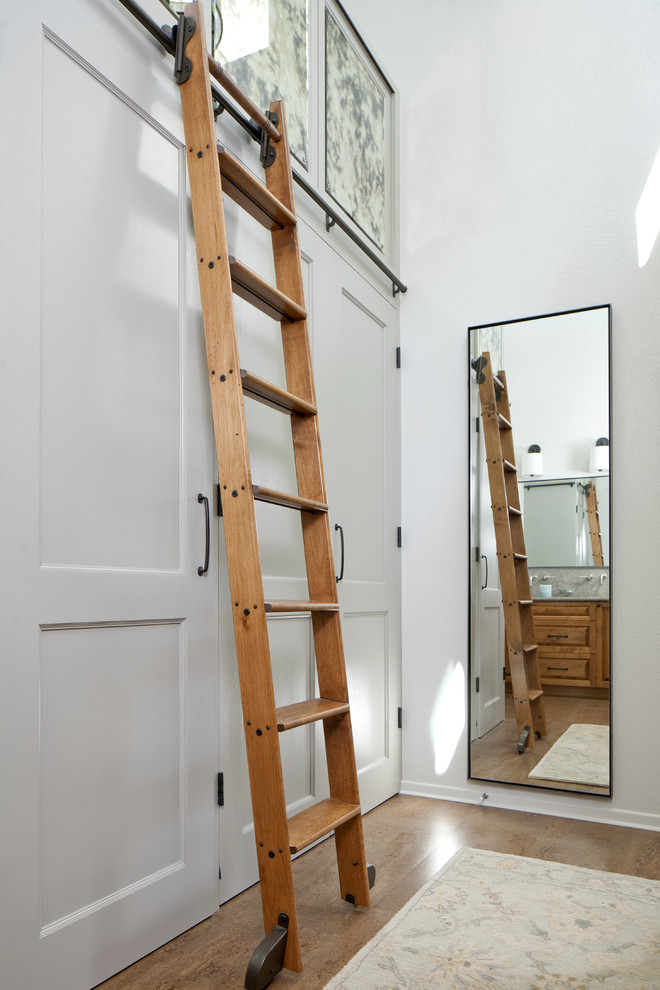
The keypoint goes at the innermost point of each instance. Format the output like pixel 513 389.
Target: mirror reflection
pixel 567 521
pixel 540 551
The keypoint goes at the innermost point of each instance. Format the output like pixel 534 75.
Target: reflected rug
pixel 580 756
pixel 489 920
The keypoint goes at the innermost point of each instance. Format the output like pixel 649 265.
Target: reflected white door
pixel 110 634
pixel 487 695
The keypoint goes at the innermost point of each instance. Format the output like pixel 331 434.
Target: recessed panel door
pixel 110 633
pixel 355 336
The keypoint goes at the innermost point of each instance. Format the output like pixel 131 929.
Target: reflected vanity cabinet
pixel 574 649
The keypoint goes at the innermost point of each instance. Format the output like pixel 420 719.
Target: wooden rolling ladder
pixel 511 556
pixel 213 171
pixel 594 524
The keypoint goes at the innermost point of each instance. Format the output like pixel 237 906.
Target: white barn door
pixel 355 334
pixel 109 656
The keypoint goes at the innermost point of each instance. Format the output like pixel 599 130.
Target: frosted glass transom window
pixel 355 151
pixel 263 45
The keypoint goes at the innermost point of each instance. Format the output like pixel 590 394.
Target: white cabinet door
pixel 109 656
pixel 355 336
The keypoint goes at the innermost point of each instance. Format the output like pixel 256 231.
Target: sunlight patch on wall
pixel 448 718
pixel 647 214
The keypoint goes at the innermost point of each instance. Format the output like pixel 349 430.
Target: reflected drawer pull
pixel 557 668
pixel 557 635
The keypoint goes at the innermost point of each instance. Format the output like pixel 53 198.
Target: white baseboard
pixel 579 806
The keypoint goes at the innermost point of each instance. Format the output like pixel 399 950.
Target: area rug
pixel 489 920
pixel 580 756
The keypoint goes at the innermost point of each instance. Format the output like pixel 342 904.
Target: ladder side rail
pixel 529 642
pixel 523 583
pixel 317 537
pixel 499 506
pixel 516 617
pixel 594 526
pixel 245 577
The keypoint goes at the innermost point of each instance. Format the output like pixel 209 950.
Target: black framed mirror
pixel 540 653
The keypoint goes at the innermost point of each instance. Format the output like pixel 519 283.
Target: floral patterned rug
pixel 488 920
pixel 581 756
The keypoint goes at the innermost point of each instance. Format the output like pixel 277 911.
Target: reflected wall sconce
pixel 533 461
pixel 599 458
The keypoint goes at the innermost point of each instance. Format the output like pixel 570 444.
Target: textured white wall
pixel 528 131
pixel 557 375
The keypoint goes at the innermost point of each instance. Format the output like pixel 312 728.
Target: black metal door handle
pixel 204 569
pixel 485 584
pixel 341 538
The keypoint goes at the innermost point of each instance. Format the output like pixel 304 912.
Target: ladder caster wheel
pixel 371 875
pixel 522 742
pixel 268 958
pixel 537 733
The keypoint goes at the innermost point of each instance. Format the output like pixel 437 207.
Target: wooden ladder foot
pixel 268 958
pixel 522 741
pixel 371 877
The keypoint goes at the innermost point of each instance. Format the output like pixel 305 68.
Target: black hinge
pixel 477 556
pixel 398 537
pixel 399 717
pixel 219 501
pixel 503 673
pixel 221 790
pixel 477 687
pixel 476 424
pixel 268 153
pixel 398 357
pixel 182 32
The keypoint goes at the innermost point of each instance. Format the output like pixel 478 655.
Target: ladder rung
pixel 498 381
pixel 530 648
pixel 279 605
pixel 520 556
pixel 318 821
pixel 535 695
pixel 290 501
pixel 251 194
pixel 262 295
pixel 525 601
pixel 508 466
pixel 514 512
pixel 261 390
pixel 303 712
pixel 503 422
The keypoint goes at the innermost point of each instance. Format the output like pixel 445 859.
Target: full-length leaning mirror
pixel 540 699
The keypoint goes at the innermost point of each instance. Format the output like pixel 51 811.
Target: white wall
pixel 557 373
pixel 528 131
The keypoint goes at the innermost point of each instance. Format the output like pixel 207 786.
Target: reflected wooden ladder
pixel 213 171
pixel 594 524
pixel 511 557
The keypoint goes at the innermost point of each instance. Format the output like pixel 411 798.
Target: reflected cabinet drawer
pixel 565 628
pixel 563 668
pixel 564 632
pixel 566 637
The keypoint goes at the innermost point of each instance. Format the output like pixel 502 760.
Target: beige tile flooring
pixel 408 839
